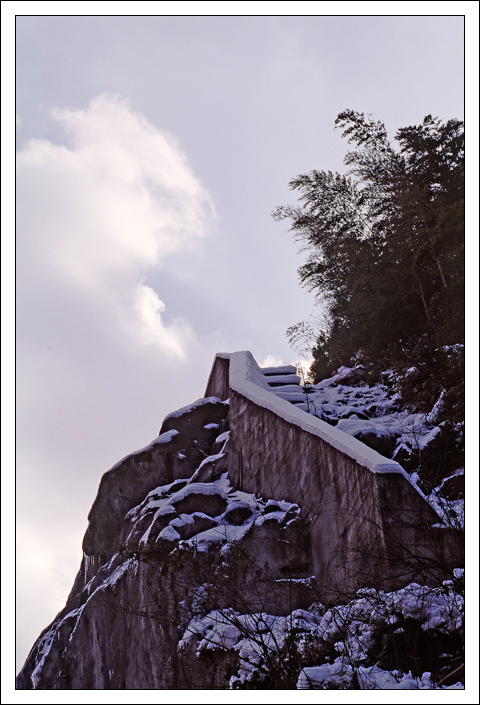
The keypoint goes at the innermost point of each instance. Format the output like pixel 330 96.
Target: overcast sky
pixel 151 152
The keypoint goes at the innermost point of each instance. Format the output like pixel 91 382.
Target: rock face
pixel 235 508
pixel 169 536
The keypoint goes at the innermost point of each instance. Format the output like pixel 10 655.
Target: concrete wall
pixel 218 382
pixel 368 524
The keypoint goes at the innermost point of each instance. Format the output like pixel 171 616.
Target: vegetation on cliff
pixel 217 587
pixel 385 245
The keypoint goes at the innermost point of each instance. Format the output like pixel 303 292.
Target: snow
pixel 206 461
pixel 162 502
pixel 280 370
pixel 291 380
pixel 305 581
pixel 165 505
pixel 316 677
pixel 46 641
pixel 244 498
pixel 333 399
pixel 340 376
pixel 205 488
pixel 117 574
pixel 351 627
pixel 223 437
pixel 224 483
pixel 169 534
pixel 272 516
pixel 256 637
pixel 246 378
pixel 294 395
pixel 451 512
pixel 45 644
pixel 160 440
pixel 223 533
pixel 433 608
pixel 187 409
pixel 340 674
pixel 182 520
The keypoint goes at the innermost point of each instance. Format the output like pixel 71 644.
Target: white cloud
pixel 99 362
pixel 273 361
pixel 106 209
pixel 149 327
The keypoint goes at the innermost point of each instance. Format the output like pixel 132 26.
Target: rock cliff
pixel 245 508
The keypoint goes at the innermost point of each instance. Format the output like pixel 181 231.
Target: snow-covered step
pixel 281 370
pixel 290 393
pixel 284 382
pixel 281 380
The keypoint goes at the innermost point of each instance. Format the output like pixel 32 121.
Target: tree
pixel 385 242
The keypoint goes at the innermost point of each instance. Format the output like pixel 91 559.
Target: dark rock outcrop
pixel 169 537
pixel 243 505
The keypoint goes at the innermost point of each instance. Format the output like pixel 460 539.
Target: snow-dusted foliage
pixel 407 639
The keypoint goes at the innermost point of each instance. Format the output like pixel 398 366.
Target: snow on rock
pixel 169 534
pixel 343 376
pixel 207 461
pixel 159 440
pixel 351 628
pixel 433 608
pixel 340 674
pixel 223 437
pixel 191 407
pixel 450 511
pixel 203 513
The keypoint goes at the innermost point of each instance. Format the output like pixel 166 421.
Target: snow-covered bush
pixel 407 639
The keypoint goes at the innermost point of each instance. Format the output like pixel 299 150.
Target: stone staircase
pixel 285 383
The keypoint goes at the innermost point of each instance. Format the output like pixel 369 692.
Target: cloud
pixel 149 327
pixel 112 205
pixel 101 358
pixel 273 361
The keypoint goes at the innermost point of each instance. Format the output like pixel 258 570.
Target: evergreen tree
pixel 385 244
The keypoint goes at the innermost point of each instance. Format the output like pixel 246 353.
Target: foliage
pixel 385 243
pixel 412 635
pixel 385 247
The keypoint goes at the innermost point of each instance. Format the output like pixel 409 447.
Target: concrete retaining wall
pixel 368 524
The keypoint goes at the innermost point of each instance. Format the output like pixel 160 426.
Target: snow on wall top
pixel 247 378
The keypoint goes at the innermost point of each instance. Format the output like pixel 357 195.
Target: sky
pixel 150 154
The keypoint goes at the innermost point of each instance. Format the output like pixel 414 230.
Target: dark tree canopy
pixel 385 247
